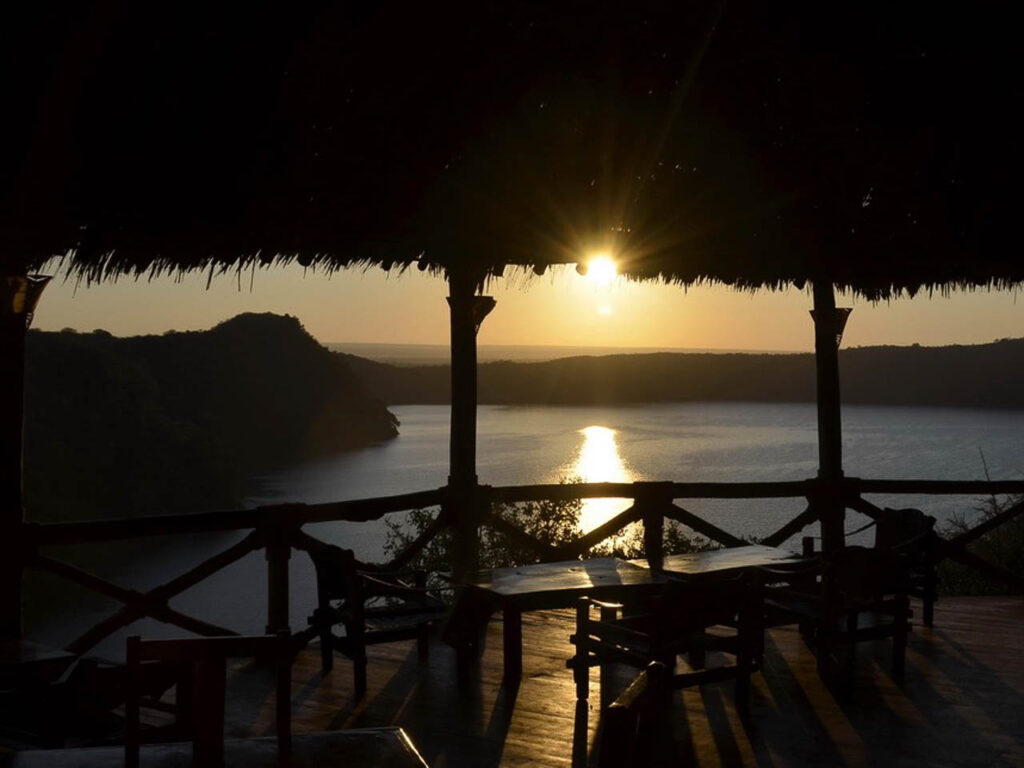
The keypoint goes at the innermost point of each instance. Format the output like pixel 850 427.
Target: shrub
pixel 554 523
pixel 1003 547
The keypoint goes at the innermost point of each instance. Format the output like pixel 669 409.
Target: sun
pixel 601 269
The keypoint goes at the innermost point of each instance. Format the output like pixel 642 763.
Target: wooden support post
pixel 18 297
pixel 827 331
pixel 12 372
pixel 466 311
pixel 208 686
pixel 654 500
pixel 279 551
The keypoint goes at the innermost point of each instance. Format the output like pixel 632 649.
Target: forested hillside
pixel 984 375
pixel 183 421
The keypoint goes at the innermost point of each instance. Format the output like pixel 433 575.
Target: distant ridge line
pixel 436 354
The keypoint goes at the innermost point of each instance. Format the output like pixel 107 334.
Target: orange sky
pixel 560 308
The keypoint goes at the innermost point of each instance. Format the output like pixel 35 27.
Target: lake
pixel 720 442
pixel 692 442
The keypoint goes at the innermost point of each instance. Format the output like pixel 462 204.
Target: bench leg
pixel 512 635
pixel 423 643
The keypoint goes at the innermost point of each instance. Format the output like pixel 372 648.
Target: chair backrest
pixel 336 573
pixel 907 532
pixel 857 574
pixel 205 659
pixel 630 724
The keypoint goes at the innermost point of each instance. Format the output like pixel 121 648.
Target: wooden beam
pixel 865 507
pixel 278 553
pixel 210 566
pixel 152 603
pixel 569 491
pixel 703 527
pixel 794 526
pixel 136 610
pixel 961 541
pixel 356 510
pixel 599 534
pixel 519 536
pixel 417 545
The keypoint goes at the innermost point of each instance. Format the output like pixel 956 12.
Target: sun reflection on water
pixel 598 461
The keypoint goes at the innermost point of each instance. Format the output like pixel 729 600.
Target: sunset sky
pixel 560 308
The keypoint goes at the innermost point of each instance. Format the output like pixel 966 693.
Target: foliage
pixel 555 523
pixel 1003 547
pixel 916 376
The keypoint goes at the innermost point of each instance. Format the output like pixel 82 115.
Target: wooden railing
pixel 278 530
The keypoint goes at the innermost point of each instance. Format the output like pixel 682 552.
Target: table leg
pixel 512 635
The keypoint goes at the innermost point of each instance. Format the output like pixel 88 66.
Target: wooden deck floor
pixel 962 702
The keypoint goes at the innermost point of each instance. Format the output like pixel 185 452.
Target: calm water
pixel 521 445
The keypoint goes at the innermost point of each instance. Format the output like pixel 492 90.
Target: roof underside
pixel 737 143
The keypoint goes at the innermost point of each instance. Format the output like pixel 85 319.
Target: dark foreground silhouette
pixel 182 421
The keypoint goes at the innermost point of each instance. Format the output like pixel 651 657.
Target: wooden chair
pixel 200 663
pixel 675 622
pixel 630 725
pixel 854 582
pixel 373 607
pixel 910 535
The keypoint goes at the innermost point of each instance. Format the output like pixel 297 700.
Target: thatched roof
pixel 740 143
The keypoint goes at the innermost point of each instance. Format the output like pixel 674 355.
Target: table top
pixel 551 584
pixel 722 562
pixel 370 747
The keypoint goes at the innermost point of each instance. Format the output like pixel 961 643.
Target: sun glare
pixel 598 461
pixel 604 310
pixel 601 269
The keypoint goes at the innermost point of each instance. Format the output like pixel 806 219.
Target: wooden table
pixel 726 562
pixel 356 748
pixel 545 586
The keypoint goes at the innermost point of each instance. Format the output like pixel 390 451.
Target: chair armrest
pixel 604 604
pixel 651 681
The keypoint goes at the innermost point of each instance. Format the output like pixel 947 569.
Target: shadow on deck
pixel 960 704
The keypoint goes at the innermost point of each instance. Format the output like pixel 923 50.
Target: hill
pixel 984 375
pixel 182 421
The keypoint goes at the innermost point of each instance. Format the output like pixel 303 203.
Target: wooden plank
pixel 356 748
pixel 958 706
pixel 723 562
pixel 357 510
pixel 557 585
